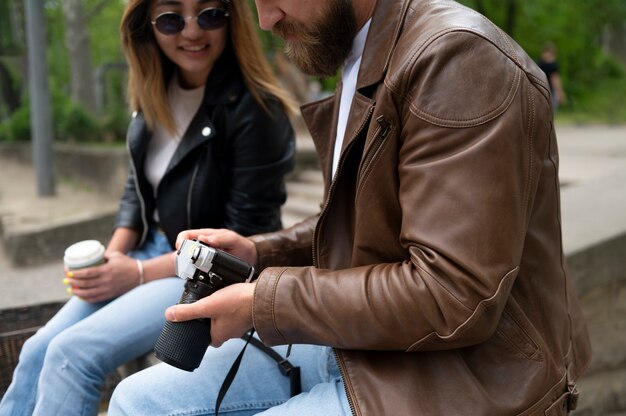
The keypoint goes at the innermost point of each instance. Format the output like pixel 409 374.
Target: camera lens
pixel 183 344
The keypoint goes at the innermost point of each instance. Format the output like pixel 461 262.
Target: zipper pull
pixel 385 127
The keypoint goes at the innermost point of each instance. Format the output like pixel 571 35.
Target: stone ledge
pixel 603 394
pixel 37 245
pixel 594 240
pixel 100 168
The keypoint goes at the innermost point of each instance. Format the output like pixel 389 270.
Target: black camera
pixel 206 269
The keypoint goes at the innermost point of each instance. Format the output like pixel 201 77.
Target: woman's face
pixel 194 50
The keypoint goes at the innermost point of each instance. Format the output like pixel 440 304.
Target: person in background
pixel 210 144
pixel 550 66
pixel 433 281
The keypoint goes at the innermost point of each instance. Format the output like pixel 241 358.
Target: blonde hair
pixel 150 70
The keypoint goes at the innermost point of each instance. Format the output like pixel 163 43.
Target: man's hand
pixel 230 310
pixel 222 239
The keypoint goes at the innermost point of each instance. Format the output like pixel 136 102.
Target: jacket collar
pixel 224 86
pixel 383 34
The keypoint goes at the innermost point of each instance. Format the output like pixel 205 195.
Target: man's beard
pixel 321 48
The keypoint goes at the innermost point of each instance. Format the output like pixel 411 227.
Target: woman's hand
pixel 95 284
pixel 230 311
pixel 222 239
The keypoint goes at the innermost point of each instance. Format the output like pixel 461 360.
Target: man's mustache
pixel 289 30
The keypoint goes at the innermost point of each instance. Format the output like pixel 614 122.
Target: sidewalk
pixel 587 154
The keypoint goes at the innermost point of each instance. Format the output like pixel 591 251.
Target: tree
pixel 11 39
pixel 79 49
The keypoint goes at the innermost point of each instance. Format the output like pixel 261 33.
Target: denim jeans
pixel 61 368
pixel 258 387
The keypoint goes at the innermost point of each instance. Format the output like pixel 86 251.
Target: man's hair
pixel 150 70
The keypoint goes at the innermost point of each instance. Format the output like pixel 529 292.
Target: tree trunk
pixel 615 40
pixel 77 42
pixel 9 94
pixel 480 7
pixel 511 15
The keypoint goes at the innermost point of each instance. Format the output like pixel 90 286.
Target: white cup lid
pixel 83 254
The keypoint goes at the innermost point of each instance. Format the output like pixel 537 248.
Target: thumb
pixel 185 312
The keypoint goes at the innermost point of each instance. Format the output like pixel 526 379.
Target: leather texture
pixel 439 273
pixel 227 172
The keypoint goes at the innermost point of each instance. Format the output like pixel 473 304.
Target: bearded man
pixel 433 281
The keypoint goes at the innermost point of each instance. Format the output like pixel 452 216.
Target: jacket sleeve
pixel 468 158
pixel 262 150
pixel 289 247
pixel 129 211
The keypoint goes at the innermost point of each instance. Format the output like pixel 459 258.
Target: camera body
pixel 206 270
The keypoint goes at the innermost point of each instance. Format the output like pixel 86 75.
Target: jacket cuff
pixel 265 252
pixel 263 317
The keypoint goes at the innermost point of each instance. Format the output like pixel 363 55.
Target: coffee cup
pixel 87 253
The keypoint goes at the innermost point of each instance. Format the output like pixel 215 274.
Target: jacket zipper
pixel 346 385
pixel 189 193
pixel 381 135
pixel 346 382
pixel 144 220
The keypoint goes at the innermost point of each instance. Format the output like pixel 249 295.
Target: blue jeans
pixel 62 367
pixel 258 388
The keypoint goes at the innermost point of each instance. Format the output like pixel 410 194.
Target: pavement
pixel 587 154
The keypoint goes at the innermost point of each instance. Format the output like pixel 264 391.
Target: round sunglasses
pixel 170 23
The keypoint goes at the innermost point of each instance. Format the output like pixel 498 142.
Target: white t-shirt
pixel 184 104
pixel 349 77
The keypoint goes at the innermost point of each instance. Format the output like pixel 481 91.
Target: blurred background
pixel 64 186
pixel 87 69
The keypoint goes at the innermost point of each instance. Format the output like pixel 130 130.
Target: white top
pixel 184 105
pixel 349 77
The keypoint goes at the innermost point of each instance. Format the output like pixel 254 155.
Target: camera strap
pixel 285 367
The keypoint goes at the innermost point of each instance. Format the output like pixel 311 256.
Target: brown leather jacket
pixel 440 277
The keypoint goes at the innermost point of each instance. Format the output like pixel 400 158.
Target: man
pixel 550 66
pixel 435 269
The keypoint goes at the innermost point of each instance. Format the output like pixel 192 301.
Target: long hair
pixel 150 70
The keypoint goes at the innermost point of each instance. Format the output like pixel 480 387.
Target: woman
pixel 210 144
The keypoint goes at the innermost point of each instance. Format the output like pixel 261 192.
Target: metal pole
pixel 40 118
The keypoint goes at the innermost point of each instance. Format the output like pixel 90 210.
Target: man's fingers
pixel 179 313
pixel 191 235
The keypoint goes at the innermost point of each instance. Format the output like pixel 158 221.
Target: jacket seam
pixel 531 136
pixel 273 303
pixel 142 204
pixel 540 404
pixel 482 305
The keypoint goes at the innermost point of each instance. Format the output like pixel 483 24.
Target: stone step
pixel 305 191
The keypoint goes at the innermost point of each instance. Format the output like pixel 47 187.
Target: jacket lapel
pixel 321 121
pixel 224 86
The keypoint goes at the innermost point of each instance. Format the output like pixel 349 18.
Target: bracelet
pixel 140 267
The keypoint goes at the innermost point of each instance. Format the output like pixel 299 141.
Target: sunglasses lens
pixel 170 23
pixel 212 19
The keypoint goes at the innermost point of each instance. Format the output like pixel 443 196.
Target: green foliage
pixel 593 80
pixel 70 123
pixel 9 43
pixel 77 125
pixel 17 127
pixel 115 124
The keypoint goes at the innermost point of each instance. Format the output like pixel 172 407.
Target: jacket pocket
pixel 514 329
pixel 373 151
pixel 559 407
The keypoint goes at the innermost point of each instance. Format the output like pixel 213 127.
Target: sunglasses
pixel 170 23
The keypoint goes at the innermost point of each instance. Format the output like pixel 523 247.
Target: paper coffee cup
pixel 85 253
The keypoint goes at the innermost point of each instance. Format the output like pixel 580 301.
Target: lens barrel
pixel 183 344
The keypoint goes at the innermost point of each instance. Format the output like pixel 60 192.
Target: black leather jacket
pixel 227 172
